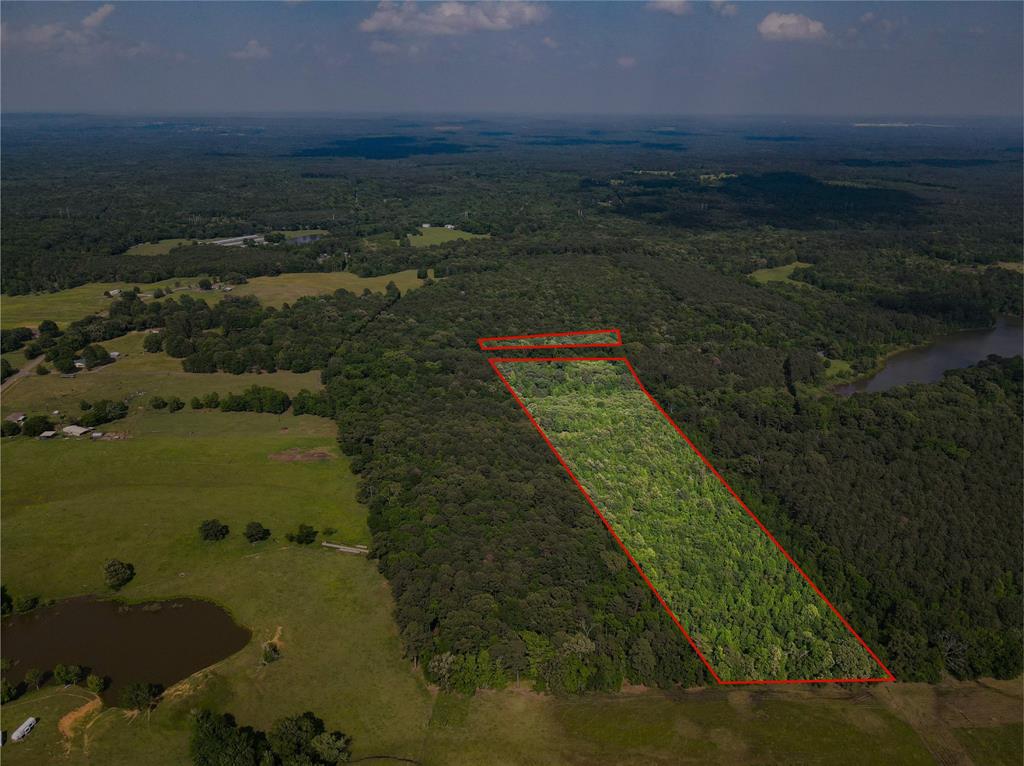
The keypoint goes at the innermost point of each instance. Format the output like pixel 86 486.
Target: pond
pixel 949 352
pixel 160 642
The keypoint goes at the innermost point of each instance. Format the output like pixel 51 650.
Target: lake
pixel 160 642
pixel 949 352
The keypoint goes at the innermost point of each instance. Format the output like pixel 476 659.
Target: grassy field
pixel 142 500
pixel 78 302
pixel 164 246
pixel 136 371
pixel 160 247
pixel 437 235
pixel 286 288
pixel 779 273
pixel 1012 265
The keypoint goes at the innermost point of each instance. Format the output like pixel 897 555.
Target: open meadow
pixel 66 306
pixel 438 235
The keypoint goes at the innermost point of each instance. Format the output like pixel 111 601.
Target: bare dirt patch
pixel 298 455
pixel 69 723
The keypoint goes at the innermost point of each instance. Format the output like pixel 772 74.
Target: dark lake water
pixel 161 642
pixel 949 352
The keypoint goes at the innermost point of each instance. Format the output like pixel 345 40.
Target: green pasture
pixel 779 273
pixel 438 235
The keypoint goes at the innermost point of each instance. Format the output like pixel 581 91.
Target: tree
pixel 9 428
pixel 158 293
pixel 95 683
pixel 212 530
pixel 118 573
pixel 196 403
pixel 67 674
pixel 42 369
pixel 305 535
pixel 35 425
pixel 8 692
pixel 49 328
pixel 205 284
pixel 153 342
pixel 175 403
pixel 256 532
pixel 139 696
pixel 332 746
pixel 6 369
pixel 158 403
pixel 35 677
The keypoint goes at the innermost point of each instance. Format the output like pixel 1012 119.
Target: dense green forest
pixel 745 606
pixel 903 506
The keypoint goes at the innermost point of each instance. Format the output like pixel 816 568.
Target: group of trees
pixel 61 675
pixel 217 740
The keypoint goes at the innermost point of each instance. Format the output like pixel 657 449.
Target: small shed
pixel 449 226
pixel 47 434
pixel 75 430
pixel 424 225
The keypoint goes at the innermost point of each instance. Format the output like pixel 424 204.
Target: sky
pixel 700 58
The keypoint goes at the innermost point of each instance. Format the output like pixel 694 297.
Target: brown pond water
pixel 160 642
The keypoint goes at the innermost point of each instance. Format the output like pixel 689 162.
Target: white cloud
pixel 253 50
pixel 97 17
pixel 723 8
pixel 550 42
pixel 79 43
pixel 451 17
pixel 791 26
pixel 675 7
pixel 626 62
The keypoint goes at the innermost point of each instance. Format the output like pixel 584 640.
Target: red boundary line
pixel 494 362
pixel 612 331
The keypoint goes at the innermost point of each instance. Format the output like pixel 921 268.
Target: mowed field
pixel 164 246
pixel 438 235
pixel 69 305
pixel 136 374
pixel 779 273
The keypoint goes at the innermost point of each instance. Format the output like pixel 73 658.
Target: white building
pixel 75 430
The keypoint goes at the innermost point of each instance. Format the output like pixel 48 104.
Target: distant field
pixel 68 305
pixel 164 246
pixel 438 235
pixel 779 273
pixel 1012 265
pixel 160 247
pixel 135 371
pixel 286 288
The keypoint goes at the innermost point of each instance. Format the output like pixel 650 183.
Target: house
pixel 16 417
pixel 75 430
pixel 96 435
pixel 424 225
pixel 47 434
pixel 449 226
pixel 115 355
pixel 113 293
pixel 22 731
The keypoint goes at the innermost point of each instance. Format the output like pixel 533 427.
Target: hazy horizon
pixel 717 59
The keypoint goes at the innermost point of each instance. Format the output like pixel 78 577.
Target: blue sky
pixel 815 58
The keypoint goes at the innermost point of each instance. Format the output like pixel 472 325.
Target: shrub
pixel 139 696
pixel 96 684
pixel 118 573
pixel 256 532
pixel 212 530
pixel 7 428
pixel 158 403
pixel 305 535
